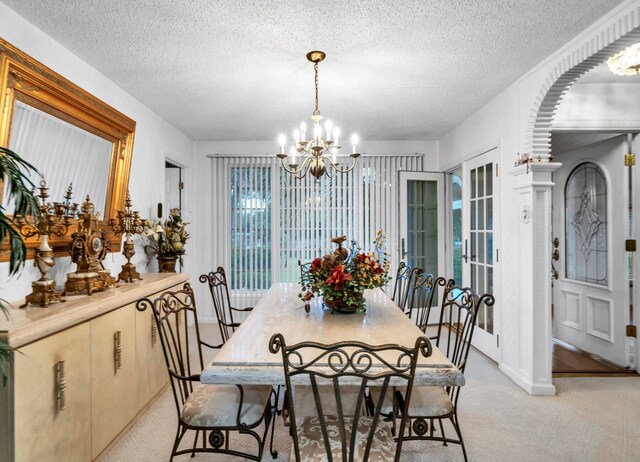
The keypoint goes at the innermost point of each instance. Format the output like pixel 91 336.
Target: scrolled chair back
pixel 423 292
pixel 217 283
pixel 402 285
pixel 304 267
pixel 171 309
pixel 349 365
pixel 458 318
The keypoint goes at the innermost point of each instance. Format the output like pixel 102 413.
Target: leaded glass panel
pixel 586 224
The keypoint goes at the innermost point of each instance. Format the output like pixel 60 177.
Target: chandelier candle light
pixel 319 154
pixel 55 219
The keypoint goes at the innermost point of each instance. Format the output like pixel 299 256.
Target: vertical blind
pixel 265 220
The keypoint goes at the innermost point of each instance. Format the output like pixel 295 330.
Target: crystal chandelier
pixel 319 154
pixel 627 62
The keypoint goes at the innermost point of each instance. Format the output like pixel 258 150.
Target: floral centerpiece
pixel 167 240
pixel 341 277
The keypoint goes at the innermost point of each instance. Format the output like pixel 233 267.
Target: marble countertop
pixel 32 323
pixel 245 358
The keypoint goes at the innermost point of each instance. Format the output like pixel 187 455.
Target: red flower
pixel 315 264
pixel 338 277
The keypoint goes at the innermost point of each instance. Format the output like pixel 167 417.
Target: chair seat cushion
pixel 312 447
pixel 217 405
pixel 425 401
pixel 430 402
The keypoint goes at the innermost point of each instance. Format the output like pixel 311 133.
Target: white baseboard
pixel 524 382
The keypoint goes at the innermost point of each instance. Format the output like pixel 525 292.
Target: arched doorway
pixel 537 137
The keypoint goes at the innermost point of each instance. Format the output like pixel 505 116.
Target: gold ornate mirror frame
pixel 27 80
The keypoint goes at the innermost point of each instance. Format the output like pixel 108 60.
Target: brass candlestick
pixel 128 222
pixel 55 220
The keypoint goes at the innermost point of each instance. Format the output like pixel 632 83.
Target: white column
pixel 531 364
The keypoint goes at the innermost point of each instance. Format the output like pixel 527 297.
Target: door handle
pixel 60 386
pixel 117 351
pixel 555 256
pixel 466 251
pixel 403 253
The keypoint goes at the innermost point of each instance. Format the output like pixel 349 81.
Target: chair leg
pixel 274 417
pixel 442 430
pixel 454 421
pixel 179 434
pixel 195 442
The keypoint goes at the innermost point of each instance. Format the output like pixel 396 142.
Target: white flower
pixel 159 229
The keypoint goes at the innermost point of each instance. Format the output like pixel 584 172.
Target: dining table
pixel 245 358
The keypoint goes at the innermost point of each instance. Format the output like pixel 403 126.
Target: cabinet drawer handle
pixel 154 332
pixel 117 350
pixel 61 386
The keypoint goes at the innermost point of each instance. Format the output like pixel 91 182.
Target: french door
pixel 480 193
pixel 422 237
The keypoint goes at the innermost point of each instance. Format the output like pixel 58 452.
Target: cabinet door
pixel 53 399
pixel 113 375
pixel 152 369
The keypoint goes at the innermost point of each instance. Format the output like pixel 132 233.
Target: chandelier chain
pixel 315 67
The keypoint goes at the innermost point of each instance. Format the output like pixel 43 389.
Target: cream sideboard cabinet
pixel 82 372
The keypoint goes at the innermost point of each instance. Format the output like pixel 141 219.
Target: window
pixel 250 227
pixel 586 224
pixel 456 222
pixel 265 220
pixel 311 214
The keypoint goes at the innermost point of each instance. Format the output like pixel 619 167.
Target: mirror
pixel 68 134
pixel 63 153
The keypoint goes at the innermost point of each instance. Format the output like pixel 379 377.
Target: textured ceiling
pixel 236 70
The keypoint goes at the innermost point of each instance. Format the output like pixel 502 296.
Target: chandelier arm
pixel 300 172
pixel 337 168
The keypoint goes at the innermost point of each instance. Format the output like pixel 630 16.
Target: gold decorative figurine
pixel 129 223
pixel 54 220
pixel 88 249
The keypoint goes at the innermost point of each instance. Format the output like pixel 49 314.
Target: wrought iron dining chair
pixel 402 285
pixel 214 410
pixel 217 282
pixel 346 434
pixel 304 267
pixel 423 290
pixel 459 310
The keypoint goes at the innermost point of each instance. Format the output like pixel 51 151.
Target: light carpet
pixel 590 419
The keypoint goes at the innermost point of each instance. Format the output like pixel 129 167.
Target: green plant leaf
pixel 15 173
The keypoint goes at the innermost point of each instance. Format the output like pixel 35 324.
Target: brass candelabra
pixel 55 220
pixel 127 222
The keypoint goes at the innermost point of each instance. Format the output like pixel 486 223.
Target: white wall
pixel 155 138
pixel 503 123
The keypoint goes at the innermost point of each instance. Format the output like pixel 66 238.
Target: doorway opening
pixel 593 275
pixel 173 186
